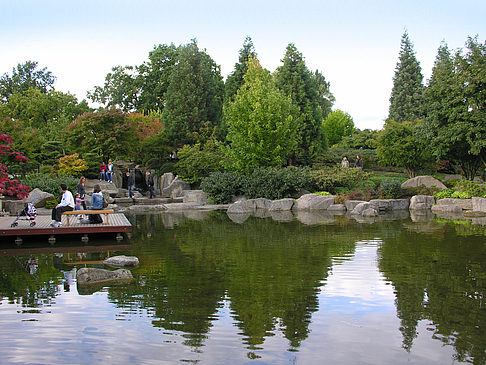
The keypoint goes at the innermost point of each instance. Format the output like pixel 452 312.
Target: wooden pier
pixel 118 224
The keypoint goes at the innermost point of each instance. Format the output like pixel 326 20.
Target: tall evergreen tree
pixel 194 95
pixel 406 101
pixel 235 78
pixel 326 98
pixel 297 81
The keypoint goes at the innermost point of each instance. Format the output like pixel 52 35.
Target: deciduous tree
pixel 337 125
pixel 262 122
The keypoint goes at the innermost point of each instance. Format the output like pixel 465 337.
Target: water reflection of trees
pixel 271 272
pixel 440 278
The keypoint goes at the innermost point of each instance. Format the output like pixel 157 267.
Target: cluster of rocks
pixel 95 276
pixel 314 202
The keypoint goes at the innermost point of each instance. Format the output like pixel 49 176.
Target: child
pixel 78 202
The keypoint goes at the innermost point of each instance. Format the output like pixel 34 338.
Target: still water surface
pixel 311 289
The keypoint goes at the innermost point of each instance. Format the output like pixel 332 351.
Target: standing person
pixel 359 162
pixel 130 184
pixel 96 204
pixel 102 171
pixel 109 171
pixel 345 162
pixel 66 204
pixel 150 184
pixel 80 190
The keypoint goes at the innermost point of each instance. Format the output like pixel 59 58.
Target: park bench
pixel 106 212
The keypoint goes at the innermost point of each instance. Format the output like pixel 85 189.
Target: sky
pixel 354 43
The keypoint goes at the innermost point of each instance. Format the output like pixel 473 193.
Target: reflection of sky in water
pixel 356 324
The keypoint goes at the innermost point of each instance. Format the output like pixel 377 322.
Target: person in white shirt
pixel 66 204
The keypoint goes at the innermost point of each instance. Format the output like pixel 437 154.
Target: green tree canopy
pixel 402 145
pixel 262 122
pixel 294 79
pixel 406 101
pixel 194 95
pixel 26 76
pixel 105 132
pixel 456 105
pixel 337 125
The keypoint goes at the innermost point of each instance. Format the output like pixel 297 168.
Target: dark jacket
pixel 150 180
pixel 131 180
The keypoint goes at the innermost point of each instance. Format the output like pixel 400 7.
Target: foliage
pixel 337 125
pixel 51 183
pixel 325 97
pixel 138 88
pixel 104 132
pixel 26 76
pixel 390 189
pixel 10 186
pixel 235 79
pixel 406 101
pixel 222 186
pixel 329 178
pixel 196 162
pixel 275 183
pixel 457 107
pixel 271 183
pixel 333 156
pixel 400 144
pixel 194 95
pixel 262 122
pixel 295 80
pixel 144 125
pixel 463 189
pixel 323 193
pixel 363 139
pixel 72 165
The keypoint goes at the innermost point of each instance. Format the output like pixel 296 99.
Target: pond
pixel 215 289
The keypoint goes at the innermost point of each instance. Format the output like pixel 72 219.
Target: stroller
pixel 29 212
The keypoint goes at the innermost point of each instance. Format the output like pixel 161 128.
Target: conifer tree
pixel 235 79
pixel 406 101
pixel 194 96
pixel 297 81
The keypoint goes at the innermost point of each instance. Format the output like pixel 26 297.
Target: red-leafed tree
pixel 10 186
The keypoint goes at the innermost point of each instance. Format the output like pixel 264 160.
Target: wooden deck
pixel 118 223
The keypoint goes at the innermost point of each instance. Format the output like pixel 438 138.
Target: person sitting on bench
pixel 66 204
pixel 96 204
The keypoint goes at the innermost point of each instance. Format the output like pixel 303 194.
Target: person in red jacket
pixel 102 172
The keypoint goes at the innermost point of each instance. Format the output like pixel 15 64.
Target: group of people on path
pixel 69 203
pixel 358 163
pixel 106 172
pixel 149 180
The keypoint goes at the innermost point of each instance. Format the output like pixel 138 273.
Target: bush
pixel 275 183
pixel 271 183
pixel 323 193
pixel 390 189
pixel 196 162
pixel 221 186
pixel 166 167
pixel 463 189
pixel 50 184
pixel 330 178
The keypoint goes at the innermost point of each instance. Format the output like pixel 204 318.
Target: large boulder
pixel 39 198
pixel 195 196
pixel 421 202
pixel 446 209
pixel 479 204
pixel 351 204
pixel 364 207
pixel 426 181
pixel 89 276
pixel 121 261
pixel 313 202
pixel 389 204
pixel 242 207
pixel 175 189
pixel 281 204
pixel 165 180
pixel 262 203
pixel 465 204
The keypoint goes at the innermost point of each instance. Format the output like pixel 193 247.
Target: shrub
pixel 330 178
pixel 275 183
pixel 390 189
pixel 166 167
pixel 463 189
pixel 196 162
pixel 72 165
pixel 221 186
pixel 50 184
pixel 323 193
pixel 51 203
